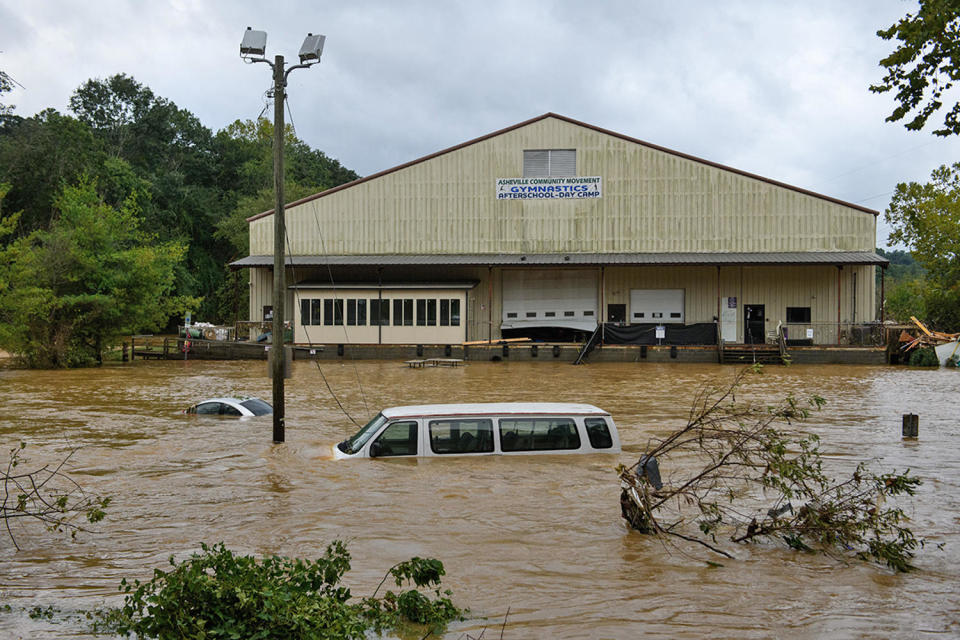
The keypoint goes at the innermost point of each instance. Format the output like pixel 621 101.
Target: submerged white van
pixel 506 428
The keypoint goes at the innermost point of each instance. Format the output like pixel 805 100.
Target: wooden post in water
pixel 911 425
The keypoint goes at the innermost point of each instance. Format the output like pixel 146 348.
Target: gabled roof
pixel 525 123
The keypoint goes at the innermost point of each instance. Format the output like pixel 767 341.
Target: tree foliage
pixel 758 483
pixel 903 286
pixel 194 187
pixel 6 85
pixel 38 156
pixel 926 218
pixel 925 65
pixel 219 594
pixel 73 290
pixel 307 171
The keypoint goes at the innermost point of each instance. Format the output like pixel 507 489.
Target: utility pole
pixel 279 242
pixel 255 44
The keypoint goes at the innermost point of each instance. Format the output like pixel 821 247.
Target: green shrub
pixel 217 594
pixel 924 357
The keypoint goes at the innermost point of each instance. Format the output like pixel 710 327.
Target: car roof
pixel 234 399
pixel 494 408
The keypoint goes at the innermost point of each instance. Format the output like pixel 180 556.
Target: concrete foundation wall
pixel 526 352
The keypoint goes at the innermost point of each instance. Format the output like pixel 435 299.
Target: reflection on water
pixel 540 535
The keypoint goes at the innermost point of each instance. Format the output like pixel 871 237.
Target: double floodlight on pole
pixel 253 48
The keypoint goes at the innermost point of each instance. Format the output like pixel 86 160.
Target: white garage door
pixel 660 306
pixel 550 298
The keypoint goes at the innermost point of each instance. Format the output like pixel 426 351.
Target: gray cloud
pixel 778 90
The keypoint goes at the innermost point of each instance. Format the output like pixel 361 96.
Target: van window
pixel 354 444
pixel 399 439
pixel 598 432
pixel 461 436
pixel 538 434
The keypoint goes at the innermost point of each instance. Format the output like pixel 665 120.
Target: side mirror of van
pixel 376 450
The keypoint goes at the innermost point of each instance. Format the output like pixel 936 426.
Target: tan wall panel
pixel 774 287
pixel 652 202
pixel 261 292
pixel 699 285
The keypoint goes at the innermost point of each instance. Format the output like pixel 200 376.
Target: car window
pixel 461 436
pixel 208 408
pixel 229 410
pixel 538 434
pixel 257 407
pixel 398 439
pixel 598 432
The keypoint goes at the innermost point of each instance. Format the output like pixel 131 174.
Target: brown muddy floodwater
pixel 538 535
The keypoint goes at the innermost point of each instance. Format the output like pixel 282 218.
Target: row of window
pixel 549 314
pixel 407 312
pixel 476 436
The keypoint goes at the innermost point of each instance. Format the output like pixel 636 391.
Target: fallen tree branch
pixel 757 482
pixel 47 495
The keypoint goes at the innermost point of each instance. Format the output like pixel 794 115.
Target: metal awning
pixel 385 285
pixel 579 259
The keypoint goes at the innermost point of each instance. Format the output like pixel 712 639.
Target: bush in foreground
pixel 218 594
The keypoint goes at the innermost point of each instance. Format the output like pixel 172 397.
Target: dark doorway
pixel 616 313
pixel 754 326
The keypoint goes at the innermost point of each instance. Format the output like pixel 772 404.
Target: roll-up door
pixel 550 298
pixel 660 306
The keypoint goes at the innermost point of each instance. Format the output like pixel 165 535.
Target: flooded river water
pixel 540 536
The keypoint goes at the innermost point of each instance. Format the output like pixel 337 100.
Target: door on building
pixel 550 298
pixel 616 313
pixel 754 326
pixel 658 306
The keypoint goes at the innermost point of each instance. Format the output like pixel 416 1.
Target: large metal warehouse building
pixel 549 226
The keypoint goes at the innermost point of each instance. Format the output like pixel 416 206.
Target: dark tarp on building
pixel 700 333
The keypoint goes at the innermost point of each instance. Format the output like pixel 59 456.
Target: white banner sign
pixel 548 188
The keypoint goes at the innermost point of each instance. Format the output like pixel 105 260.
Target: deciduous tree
pixel 74 290
pixel 926 218
pixel 925 65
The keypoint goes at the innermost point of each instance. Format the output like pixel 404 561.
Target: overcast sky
pixel 776 89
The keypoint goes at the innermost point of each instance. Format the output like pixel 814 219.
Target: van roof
pixel 494 408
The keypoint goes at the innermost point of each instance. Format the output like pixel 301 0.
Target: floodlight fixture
pixel 254 43
pixel 312 48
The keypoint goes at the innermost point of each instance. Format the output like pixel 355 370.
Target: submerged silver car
pixel 239 406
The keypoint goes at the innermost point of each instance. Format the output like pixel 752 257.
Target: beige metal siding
pixel 261 292
pixel 652 201
pixel 699 285
pixel 774 287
